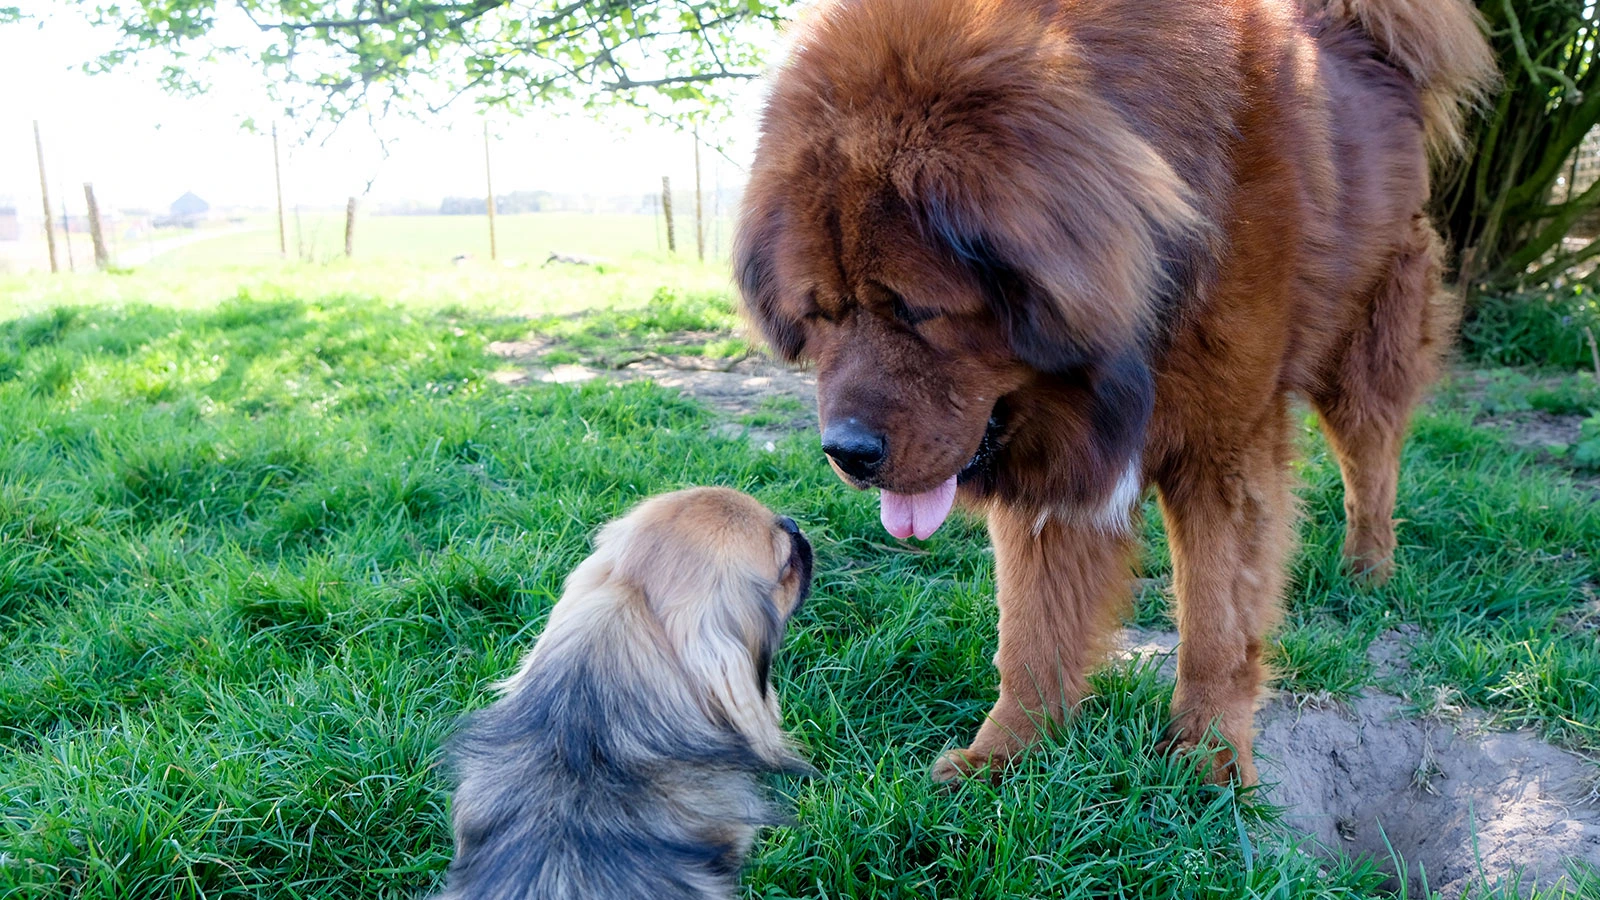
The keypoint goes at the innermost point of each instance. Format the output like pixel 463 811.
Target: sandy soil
pixel 1460 804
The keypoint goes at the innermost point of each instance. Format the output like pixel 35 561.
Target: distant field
pixel 479 285
pixel 529 237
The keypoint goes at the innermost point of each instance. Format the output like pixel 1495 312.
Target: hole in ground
pixel 1461 805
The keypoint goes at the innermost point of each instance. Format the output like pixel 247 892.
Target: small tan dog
pixel 623 760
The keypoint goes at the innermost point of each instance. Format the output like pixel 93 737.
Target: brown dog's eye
pixel 912 316
pixel 815 312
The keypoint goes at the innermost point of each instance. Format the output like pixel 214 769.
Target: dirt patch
pixel 738 387
pixel 734 386
pixel 1535 429
pixel 1542 414
pixel 1461 805
pixel 1546 434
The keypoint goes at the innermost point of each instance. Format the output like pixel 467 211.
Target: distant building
pixel 187 211
pixel 190 205
pixel 10 224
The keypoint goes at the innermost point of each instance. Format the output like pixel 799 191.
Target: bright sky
pixel 143 148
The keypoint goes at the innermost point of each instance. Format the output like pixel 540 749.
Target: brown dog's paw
pixel 1217 758
pixel 1372 571
pixel 951 766
pixel 955 766
pixel 1369 557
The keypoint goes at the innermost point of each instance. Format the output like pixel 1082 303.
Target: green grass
pixel 1545 329
pixel 1498 557
pixel 522 291
pixel 259 549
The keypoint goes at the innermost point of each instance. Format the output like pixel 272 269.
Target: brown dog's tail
pixel 1441 45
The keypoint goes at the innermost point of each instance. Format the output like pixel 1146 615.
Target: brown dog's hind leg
pixel 1369 462
pixel 1230 526
pixel 1366 404
pixel 1060 588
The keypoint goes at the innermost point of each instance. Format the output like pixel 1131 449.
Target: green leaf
pixel 324 59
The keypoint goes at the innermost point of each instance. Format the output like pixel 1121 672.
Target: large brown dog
pixel 1053 251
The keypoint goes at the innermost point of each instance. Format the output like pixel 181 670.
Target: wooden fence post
pixel 277 179
pixel 102 259
pixel 699 211
pixel 44 194
pixel 350 228
pixel 66 233
pixel 666 210
pixel 488 178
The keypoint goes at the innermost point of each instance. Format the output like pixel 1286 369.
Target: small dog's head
pixel 709 578
pixel 622 758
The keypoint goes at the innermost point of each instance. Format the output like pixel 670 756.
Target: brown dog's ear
pixel 1035 327
pixel 756 272
pixel 1124 396
pixel 1121 385
pixel 1077 228
pixel 1038 328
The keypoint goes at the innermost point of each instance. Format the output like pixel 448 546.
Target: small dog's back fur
pixel 573 789
pixel 605 771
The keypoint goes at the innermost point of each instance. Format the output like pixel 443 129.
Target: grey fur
pixel 602 772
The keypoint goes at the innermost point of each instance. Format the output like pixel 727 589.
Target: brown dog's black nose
pixel 854 448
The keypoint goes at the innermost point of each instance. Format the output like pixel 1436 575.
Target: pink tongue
pixel 921 514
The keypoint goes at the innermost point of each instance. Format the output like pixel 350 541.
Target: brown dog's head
pixel 942 214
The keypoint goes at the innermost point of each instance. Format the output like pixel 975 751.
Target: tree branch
pixel 1562 263
pixel 630 84
pixel 1549 236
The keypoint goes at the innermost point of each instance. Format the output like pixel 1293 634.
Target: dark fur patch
pixel 577 807
pixel 1035 326
pixel 1187 266
pixel 579 719
pixel 755 271
pixel 1124 395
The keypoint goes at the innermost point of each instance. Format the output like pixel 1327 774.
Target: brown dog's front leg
pixel 1060 589
pixel 1230 529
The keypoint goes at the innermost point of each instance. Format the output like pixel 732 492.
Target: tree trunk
pixel 1501 209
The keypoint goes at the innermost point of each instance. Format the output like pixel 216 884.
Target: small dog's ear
pixel 755 270
pixel 726 648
